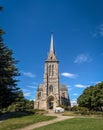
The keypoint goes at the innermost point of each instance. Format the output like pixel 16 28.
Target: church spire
pixel 52 55
pixel 52 44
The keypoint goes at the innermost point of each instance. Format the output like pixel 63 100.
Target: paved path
pixel 44 123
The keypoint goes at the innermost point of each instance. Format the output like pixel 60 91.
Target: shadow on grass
pixel 9 115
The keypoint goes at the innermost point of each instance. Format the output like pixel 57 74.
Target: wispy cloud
pixel 25 90
pixel 26 94
pixel 28 74
pixel 94 83
pixel 75 94
pixel 98 32
pixel 68 75
pixel 80 86
pixel 82 58
pixel 74 100
pixel 69 87
pixel 29 86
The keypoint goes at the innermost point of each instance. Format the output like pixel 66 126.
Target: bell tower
pixel 51 76
pixel 51 93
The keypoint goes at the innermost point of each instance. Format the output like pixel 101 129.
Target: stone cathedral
pixel 51 93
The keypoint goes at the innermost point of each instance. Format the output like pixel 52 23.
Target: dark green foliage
pixel 8 72
pixel 20 104
pixel 92 97
pixel 11 97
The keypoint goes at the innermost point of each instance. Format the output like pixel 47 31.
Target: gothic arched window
pixel 39 95
pixel 50 88
pixel 52 70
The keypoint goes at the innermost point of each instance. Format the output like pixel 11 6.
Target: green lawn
pixel 76 124
pixel 19 122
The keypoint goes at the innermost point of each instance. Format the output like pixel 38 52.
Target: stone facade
pixel 51 93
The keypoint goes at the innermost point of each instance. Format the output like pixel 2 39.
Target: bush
pixel 39 111
pixel 80 110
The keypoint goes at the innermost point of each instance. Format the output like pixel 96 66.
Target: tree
pixel 21 104
pixel 92 97
pixel 84 100
pixel 97 97
pixel 8 72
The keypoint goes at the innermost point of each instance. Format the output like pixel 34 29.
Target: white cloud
pixel 94 83
pixel 28 74
pixel 82 58
pixel 69 87
pixel 68 75
pixel 27 94
pixel 75 94
pixel 98 31
pixel 25 90
pixel 74 102
pixel 80 86
pixel 29 86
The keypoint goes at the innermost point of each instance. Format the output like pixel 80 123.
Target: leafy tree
pixel 92 97
pixel 97 97
pixel 8 72
pixel 84 100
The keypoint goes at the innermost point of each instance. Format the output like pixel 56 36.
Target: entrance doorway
pixel 50 102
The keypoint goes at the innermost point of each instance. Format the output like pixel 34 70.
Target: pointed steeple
pixel 52 55
pixel 52 44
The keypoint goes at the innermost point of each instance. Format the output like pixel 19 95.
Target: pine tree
pixel 8 72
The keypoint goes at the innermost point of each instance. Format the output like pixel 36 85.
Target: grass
pixel 70 113
pixel 76 124
pixel 88 114
pixel 20 122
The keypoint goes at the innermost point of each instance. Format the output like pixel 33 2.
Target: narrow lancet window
pixel 50 89
pixel 52 70
pixel 49 70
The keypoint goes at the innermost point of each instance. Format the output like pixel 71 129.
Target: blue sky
pixel 77 26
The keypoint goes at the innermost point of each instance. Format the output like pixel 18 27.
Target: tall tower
pixel 51 77
pixel 51 93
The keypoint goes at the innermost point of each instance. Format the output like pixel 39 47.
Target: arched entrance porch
pixel 50 102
